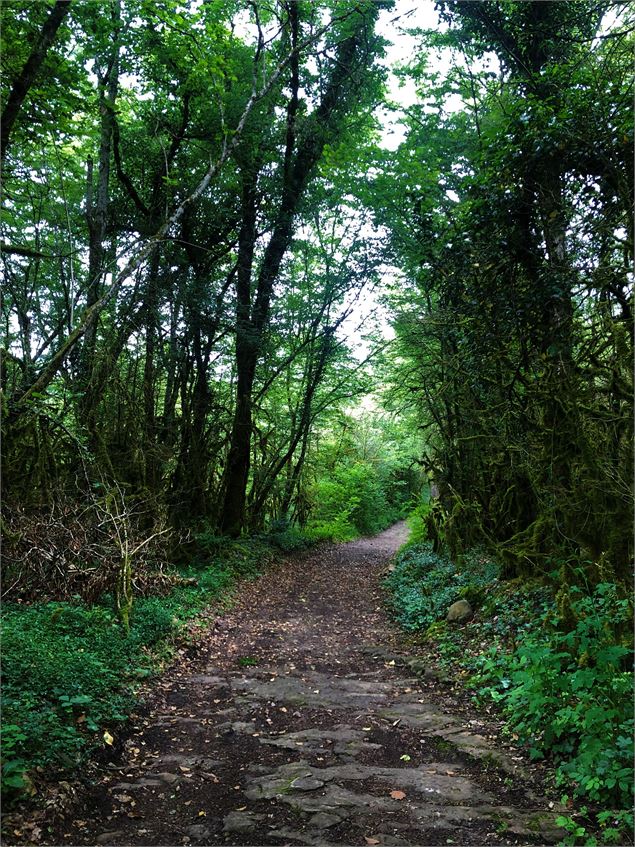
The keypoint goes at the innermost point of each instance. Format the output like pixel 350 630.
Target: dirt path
pixel 299 721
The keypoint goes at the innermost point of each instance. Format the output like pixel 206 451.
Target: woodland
pixel 254 299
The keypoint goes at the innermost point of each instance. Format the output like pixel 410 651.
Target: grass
pixel 70 672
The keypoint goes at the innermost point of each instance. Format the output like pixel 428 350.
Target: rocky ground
pixel 302 718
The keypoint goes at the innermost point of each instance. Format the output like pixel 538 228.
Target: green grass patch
pixel 69 671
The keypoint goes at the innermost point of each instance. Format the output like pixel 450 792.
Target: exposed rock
pixel 306 783
pixel 323 820
pixel 198 832
pixel 107 837
pixel 241 821
pixel 459 612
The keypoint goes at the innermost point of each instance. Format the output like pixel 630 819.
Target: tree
pixel 501 329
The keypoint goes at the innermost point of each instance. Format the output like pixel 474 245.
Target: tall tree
pixel 305 142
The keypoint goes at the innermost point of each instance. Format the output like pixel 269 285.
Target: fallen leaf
pixel 202 814
pixel 241 808
pixel 108 738
pixel 398 795
pixel 371 840
pixel 405 757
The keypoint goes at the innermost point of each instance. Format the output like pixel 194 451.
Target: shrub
pixel 62 666
pixel 69 669
pixel 352 501
pixel 569 694
pixel 424 584
pixel 417 524
pixel 287 537
pixel 566 691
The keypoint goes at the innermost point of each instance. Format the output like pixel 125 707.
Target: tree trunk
pixel 29 72
pixel 97 219
pixel 321 127
pixel 237 467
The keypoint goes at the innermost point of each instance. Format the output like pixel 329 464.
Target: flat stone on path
pixel 336 734
pixel 306 783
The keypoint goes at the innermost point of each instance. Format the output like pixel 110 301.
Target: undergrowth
pixel 355 499
pixel 564 689
pixel 69 670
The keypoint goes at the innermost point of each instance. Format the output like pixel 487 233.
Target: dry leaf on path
pixel 398 795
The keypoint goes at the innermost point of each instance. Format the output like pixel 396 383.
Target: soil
pixel 299 719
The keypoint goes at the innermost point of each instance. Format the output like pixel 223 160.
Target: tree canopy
pixel 184 245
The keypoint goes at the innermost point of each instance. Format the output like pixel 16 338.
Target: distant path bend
pixel 299 721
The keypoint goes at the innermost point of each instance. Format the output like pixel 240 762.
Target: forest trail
pixel 298 720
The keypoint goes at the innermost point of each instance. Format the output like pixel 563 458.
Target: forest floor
pixel 298 719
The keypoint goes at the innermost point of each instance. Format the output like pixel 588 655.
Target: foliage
pixel 69 670
pixel 569 694
pixel 363 479
pixel 424 585
pixel 510 220
pixel 564 686
pixel 288 537
pixel 142 379
pixel 354 500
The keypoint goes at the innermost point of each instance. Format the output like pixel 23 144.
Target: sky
pixel 392 25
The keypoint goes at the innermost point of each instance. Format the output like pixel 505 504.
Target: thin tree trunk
pixel 238 459
pixel 29 72
pixel 97 219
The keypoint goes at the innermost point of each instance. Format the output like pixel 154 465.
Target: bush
pixel 69 669
pixel 61 675
pixel 569 694
pixel 287 537
pixel 351 502
pixel 417 524
pixel 565 691
pixel 425 584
